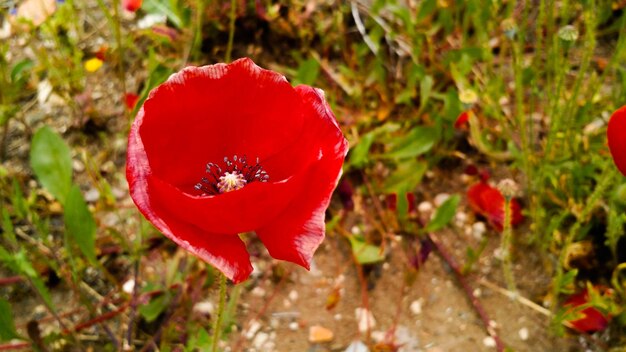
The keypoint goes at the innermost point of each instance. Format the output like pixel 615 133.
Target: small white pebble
pixel 338 316
pixel 477 293
pixel 386 266
pixel 365 319
pixel 293 295
pixel 478 230
pixel 204 307
pixel 258 291
pixel 425 207
pixel 523 334
pixel 129 286
pixel 355 230
pixel 416 306
pixel 460 218
pixel 498 253
pixel 378 336
pixel 293 326
pixel 489 341
pixel 254 327
pixel 260 340
pixel 441 198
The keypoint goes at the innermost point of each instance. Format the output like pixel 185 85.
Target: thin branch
pixel 469 292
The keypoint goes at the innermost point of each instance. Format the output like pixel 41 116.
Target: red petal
pixel 130 99
pixel 131 5
pixel 616 135
pixel 298 231
pixel 593 320
pixel 203 114
pixel 489 202
pixel 226 252
pixel 461 120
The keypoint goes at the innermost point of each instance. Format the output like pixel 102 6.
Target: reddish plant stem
pixel 97 320
pixel 364 295
pixel 10 280
pixel 469 292
pixel 14 346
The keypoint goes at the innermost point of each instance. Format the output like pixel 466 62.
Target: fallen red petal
pixel 592 319
pixel 462 119
pixel 130 100
pixel 489 202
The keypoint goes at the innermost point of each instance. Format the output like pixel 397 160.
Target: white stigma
pixel 231 181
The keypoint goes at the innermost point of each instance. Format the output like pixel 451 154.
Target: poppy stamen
pixel 232 175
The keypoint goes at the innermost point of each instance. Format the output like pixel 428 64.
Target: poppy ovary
pixel 230 175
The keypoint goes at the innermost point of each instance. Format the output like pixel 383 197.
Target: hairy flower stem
pixel 507 236
pixel 231 30
pixel 219 315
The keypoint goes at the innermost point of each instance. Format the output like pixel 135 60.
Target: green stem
pixel 197 38
pixel 507 236
pixel 217 323
pixel 231 30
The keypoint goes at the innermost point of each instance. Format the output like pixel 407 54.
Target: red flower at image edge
pixel 489 202
pixel 220 150
pixel 591 319
pixel 616 135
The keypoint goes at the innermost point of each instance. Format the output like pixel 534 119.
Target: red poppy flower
pixel 489 202
pixel 591 319
pixel 131 5
pixel 220 150
pixel 616 135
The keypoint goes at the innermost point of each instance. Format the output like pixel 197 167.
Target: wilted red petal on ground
pixel 130 99
pixel 462 119
pixel 489 202
pixel 592 319
pixel 131 5
pixel 220 150
pixel 616 135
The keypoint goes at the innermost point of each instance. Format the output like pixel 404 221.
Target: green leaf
pixel 79 223
pixel 7 227
pixel 359 154
pixel 404 179
pixel 426 87
pixel 365 253
pixel 417 142
pixel 164 7
pixel 52 163
pixel 7 326
pixel 444 214
pixel 308 71
pixel 157 305
pixel 20 69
